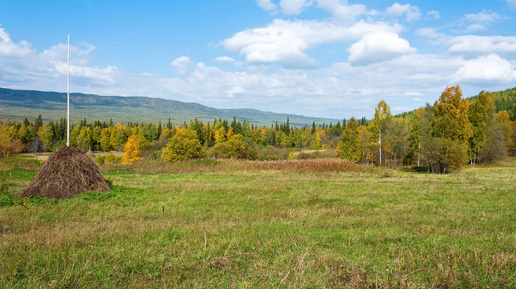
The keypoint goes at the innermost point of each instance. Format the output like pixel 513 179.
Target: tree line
pixel 441 137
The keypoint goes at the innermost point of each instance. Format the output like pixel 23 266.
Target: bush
pixel 100 159
pixel 234 148
pixel 110 159
pixel 183 146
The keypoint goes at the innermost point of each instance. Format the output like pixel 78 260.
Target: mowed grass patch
pixel 237 224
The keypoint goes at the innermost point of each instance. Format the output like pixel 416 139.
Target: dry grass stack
pixel 90 154
pixel 66 173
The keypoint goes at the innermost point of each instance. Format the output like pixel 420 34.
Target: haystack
pixel 66 173
pixel 90 154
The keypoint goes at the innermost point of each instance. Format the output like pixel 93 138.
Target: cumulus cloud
pixel 512 4
pixel 412 12
pixel 377 47
pixel 22 64
pixel 224 59
pixel 342 10
pixel 434 14
pixel 482 17
pixel 293 7
pixel 181 64
pixel 479 21
pixel 7 47
pixel 485 70
pixel 266 5
pixel 285 42
pixel 436 37
pixel 472 44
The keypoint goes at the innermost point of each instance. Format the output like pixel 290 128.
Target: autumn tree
pixel 364 138
pixel 5 142
pixel 220 135
pixel 105 135
pixel 452 128
pixel 132 150
pixel 378 125
pixel 234 147
pixel 397 140
pixel 498 139
pixel 480 114
pixel 184 145
pixel 349 147
pixel 46 135
pixel 85 138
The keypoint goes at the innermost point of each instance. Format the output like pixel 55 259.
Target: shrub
pixel 110 159
pixel 100 159
pixel 234 148
pixel 183 146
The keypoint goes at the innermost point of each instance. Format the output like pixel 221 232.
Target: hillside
pixel 18 104
pixel 504 100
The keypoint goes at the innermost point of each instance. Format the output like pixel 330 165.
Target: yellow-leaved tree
pixel 132 150
pixel 183 146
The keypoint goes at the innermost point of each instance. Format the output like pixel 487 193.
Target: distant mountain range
pixel 18 104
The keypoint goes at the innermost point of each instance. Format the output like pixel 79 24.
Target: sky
pixel 319 58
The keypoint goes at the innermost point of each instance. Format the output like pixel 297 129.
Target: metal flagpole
pixel 68 99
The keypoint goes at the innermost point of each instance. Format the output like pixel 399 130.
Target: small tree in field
pixel 132 150
pixel 183 146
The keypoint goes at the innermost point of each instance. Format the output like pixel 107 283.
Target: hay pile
pixel 90 154
pixel 66 173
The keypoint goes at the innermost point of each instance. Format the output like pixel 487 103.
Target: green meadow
pixel 263 224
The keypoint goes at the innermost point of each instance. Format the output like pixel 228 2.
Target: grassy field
pixel 282 224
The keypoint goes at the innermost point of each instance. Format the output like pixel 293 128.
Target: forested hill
pixel 18 104
pixel 504 100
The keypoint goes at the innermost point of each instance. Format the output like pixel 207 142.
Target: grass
pixel 279 224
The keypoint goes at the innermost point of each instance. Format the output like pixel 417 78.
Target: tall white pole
pixel 68 99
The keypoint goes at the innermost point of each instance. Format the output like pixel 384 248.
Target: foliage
pixel 349 147
pixel 382 117
pixel 235 147
pixel 480 114
pixel 132 150
pixel 452 128
pixel 110 159
pixel 183 146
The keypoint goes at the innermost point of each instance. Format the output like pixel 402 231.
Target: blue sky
pixel 324 58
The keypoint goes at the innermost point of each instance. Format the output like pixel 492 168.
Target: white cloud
pixel 472 44
pixel 482 17
pixel 21 64
pixel 485 70
pixel 341 10
pixel 511 3
pixel 434 14
pixel 181 64
pixel 7 47
pixel 412 12
pixel 377 47
pixel 235 90
pixel 266 5
pixel 479 21
pixel 432 33
pixel 293 7
pixel 285 42
pixel 224 59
